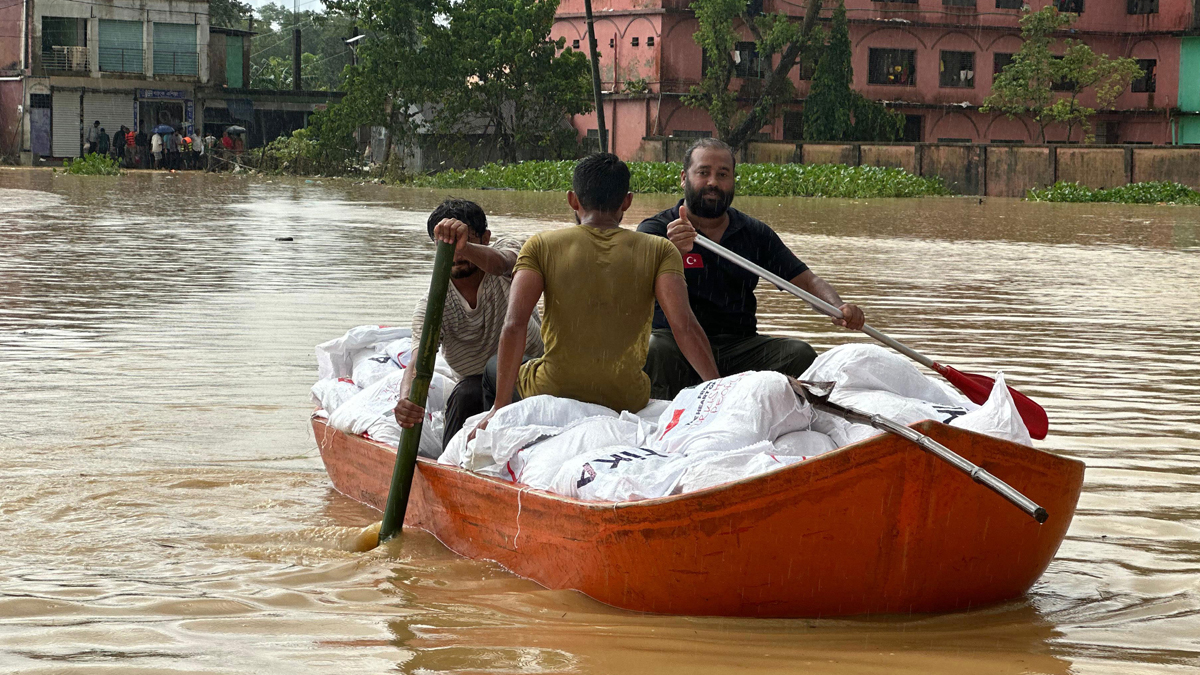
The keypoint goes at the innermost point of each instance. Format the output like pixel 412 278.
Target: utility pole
pixel 587 8
pixel 297 84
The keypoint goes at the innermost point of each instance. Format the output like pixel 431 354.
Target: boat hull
pixel 877 527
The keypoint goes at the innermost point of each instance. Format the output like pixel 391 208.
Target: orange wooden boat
pixel 875 527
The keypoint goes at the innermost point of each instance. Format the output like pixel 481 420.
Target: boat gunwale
pixel 805 465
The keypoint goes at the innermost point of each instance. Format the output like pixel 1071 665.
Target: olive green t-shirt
pixel 599 302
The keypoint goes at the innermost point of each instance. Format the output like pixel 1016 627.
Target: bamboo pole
pixel 410 439
pixel 600 130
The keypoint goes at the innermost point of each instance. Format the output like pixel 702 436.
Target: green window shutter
pixel 175 49
pixel 121 46
pixel 233 61
pixel 1189 74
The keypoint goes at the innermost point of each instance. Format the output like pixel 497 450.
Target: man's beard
pixel 463 269
pixel 706 208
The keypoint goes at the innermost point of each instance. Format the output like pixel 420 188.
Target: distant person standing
pixel 142 148
pixel 102 144
pixel 171 149
pixel 129 150
pixel 210 147
pixel 118 144
pixel 93 138
pixel 156 150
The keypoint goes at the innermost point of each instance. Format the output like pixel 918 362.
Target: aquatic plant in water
pixel 769 180
pixel 1155 192
pixel 93 164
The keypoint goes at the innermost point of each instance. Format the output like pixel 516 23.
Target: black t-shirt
pixel 141 139
pixel 721 293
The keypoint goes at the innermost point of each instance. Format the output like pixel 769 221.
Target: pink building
pixel 933 60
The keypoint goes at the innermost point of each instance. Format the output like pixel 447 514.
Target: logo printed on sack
pixel 674 420
pixel 693 261
pixel 950 411
pixel 588 475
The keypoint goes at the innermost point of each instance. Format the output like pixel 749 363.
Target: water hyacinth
pixel 1156 192
pixel 767 180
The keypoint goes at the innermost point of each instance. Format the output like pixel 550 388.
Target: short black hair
pixel 708 143
pixel 601 182
pixel 460 209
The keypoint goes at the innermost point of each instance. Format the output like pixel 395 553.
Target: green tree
pixel 833 111
pixel 455 70
pixel 781 43
pixel 322 37
pixel 229 13
pixel 1046 87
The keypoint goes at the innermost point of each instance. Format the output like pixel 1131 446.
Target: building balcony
pixel 65 59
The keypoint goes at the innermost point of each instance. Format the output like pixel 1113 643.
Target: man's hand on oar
pixel 852 317
pixel 408 414
pixel 681 232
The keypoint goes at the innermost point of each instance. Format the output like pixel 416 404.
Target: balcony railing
pixel 66 58
pixel 121 60
pixel 176 63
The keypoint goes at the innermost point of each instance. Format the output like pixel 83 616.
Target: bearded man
pixel 721 294
pixel 476 305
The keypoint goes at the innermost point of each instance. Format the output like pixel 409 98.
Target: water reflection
pixel 164 507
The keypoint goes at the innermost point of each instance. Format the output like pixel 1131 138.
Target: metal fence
pixel 176 63
pixel 66 58
pixel 122 60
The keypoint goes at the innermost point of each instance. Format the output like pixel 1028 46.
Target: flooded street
pixel 165 510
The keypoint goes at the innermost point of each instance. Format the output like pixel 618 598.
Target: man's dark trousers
pixel 464 401
pixel 670 371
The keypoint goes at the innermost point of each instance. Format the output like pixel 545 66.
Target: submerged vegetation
pixel 1157 192
pixel 93 164
pixel 769 180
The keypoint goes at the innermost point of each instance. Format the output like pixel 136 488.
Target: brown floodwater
pixel 163 507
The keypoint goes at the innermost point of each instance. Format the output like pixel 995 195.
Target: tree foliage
pixel 458 71
pixel 781 43
pixel 833 111
pixel 322 38
pixel 229 13
pixel 1027 85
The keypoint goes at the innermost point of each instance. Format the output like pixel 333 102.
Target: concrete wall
pixel 973 169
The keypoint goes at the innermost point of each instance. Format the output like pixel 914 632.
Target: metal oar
pixel 976 387
pixel 410 439
pixel 817 394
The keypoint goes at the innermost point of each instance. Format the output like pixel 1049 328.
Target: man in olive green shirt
pixel 600 283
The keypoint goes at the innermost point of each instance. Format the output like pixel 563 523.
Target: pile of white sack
pixel 359 385
pixel 720 431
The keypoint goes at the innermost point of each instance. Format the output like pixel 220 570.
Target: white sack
pixel 387 430
pixel 515 427
pixel 371 366
pixel 334 357
pixel 804 444
pixel 537 464
pixel 401 351
pixel 715 467
pixel 371 411
pixel 329 395
pixel 998 417
pixel 619 474
pixel 863 367
pixel 731 412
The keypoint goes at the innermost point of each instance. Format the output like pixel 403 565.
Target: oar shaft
pixel 410 439
pixel 976 472
pixel 817 303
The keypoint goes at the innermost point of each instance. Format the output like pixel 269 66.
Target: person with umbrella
pixel 156 149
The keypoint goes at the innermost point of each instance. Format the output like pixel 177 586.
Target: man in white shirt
pixel 156 150
pixel 476 304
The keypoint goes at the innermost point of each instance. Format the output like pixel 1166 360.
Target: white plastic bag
pixel 517 426
pixel 371 412
pixel 716 467
pixel 537 464
pixel 329 395
pixel 619 473
pixel 997 417
pixel 731 412
pixel 371 366
pixel 804 444
pixel 863 367
pixel 335 357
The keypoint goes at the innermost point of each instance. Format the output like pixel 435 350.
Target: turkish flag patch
pixel 693 261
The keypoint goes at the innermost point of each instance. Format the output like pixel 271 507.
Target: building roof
pixel 231 31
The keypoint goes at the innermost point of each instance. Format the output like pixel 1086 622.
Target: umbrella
pixel 164 129
pixel 235 130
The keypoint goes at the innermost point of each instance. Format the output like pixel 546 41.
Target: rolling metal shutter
pixel 64 119
pixel 175 49
pixel 112 110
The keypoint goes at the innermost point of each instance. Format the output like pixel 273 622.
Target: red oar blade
pixel 979 387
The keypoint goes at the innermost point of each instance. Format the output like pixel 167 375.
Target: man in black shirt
pixel 721 293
